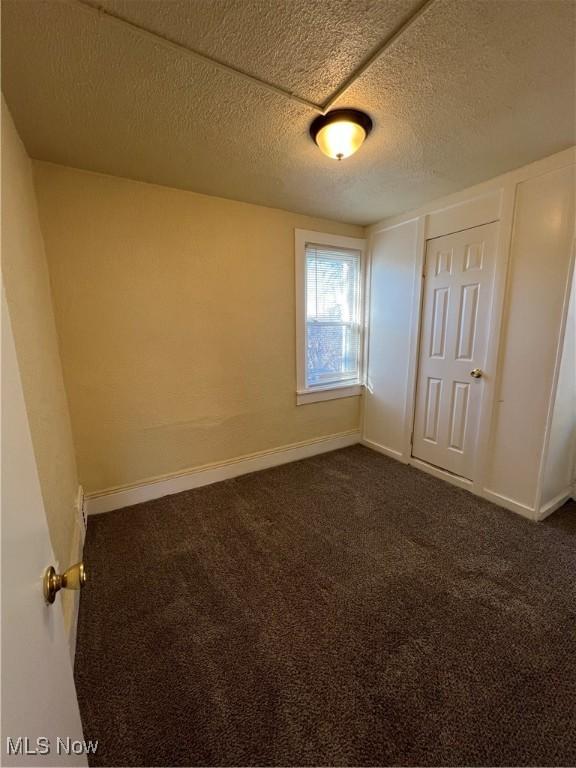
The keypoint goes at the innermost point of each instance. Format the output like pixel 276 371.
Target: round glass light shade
pixel 341 132
pixel 340 139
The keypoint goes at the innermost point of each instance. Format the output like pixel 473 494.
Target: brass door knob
pixel 476 373
pixel 72 578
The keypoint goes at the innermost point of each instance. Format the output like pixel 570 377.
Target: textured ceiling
pixel 473 88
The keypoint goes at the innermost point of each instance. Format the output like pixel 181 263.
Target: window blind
pixel 333 328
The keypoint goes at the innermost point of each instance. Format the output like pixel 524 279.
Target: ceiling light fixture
pixel 341 132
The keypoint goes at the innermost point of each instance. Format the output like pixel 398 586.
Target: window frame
pixel 304 394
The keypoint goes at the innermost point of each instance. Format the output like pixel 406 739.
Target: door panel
pixel 459 274
pixel 458 415
pixel 38 694
pixel 467 322
pixel 438 335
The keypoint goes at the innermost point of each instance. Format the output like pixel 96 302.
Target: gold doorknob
pixel 72 578
pixel 476 373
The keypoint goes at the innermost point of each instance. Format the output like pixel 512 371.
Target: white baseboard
pixel 554 504
pixel 510 504
pixel 394 454
pixel 126 496
pixel 460 482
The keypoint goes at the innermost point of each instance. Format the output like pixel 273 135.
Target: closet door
pixel 458 282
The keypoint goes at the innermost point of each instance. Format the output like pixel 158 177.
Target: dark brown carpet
pixel 342 610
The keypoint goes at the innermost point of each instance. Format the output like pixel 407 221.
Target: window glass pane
pixel 331 353
pixel 332 315
pixel 331 286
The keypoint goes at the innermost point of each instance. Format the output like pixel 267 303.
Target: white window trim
pixel 306 394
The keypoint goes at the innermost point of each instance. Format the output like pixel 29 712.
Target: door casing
pixel 453 461
pixel 497 207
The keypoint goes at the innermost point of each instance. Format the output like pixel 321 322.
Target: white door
pixel 38 694
pixel 458 281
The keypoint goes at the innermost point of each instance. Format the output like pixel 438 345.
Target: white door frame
pixel 456 398
pixel 498 207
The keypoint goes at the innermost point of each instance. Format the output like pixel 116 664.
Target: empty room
pixel 288 383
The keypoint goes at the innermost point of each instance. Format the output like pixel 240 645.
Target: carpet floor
pixel 342 610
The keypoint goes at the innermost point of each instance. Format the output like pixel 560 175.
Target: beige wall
pixel 175 313
pixel 27 287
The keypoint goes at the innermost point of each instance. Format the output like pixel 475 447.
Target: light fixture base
pixel 340 133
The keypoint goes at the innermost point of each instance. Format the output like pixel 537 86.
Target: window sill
pixel 318 394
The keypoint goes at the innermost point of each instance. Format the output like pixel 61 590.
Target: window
pixel 329 323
